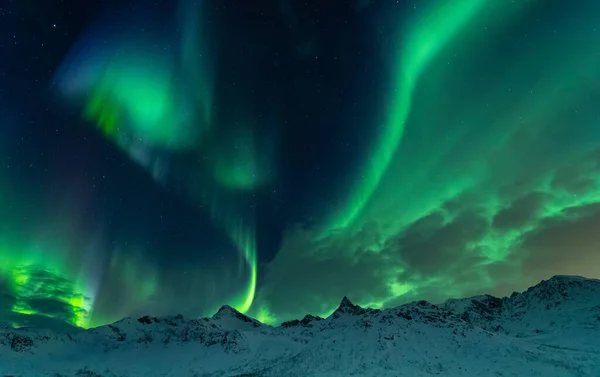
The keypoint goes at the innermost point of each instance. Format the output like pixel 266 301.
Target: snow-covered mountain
pixel 552 329
pixel 563 311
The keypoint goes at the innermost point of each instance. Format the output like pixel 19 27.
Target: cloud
pixel 49 293
pixel 565 245
pixel 522 211
pixel 41 321
pixel 7 297
pixel 492 242
pixel 40 298
pixel 573 178
pixel 438 245
pixel 580 176
pixel 309 276
pixel 369 266
pixel 52 307
pixel 562 236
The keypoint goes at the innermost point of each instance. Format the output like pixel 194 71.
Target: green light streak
pixel 428 36
pixel 245 242
pixel 476 151
pixel 148 101
pixel 223 209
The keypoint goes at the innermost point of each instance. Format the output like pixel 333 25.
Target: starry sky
pixel 164 157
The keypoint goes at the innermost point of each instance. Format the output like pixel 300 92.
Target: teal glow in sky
pixel 175 159
pixel 428 33
pixel 150 101
pixel 488 156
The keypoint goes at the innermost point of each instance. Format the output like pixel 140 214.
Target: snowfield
pixel 552 329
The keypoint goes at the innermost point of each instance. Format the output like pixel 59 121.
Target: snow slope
pixel 563 311
pixel 552 329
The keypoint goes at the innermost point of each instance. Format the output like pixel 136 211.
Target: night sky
pixel 164 157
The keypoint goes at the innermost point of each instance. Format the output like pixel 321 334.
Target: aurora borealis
pixel 171 157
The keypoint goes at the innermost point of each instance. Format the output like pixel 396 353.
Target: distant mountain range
pixel 550 330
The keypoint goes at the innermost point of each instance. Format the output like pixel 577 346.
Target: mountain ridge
pixel 551 328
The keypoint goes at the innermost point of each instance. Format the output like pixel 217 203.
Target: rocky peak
pixel 487 304
pixel 558 289
pixel 347 307
pixel 305 322
pixel 227 312
pixel 147 320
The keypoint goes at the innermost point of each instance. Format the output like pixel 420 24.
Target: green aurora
pixel 427 35
pixel 471 171
pixel 482 178
pixel 151 104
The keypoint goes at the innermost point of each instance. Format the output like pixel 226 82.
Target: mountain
pixel 552 329
pixel 563 311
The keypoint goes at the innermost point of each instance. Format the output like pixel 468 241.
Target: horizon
pixel 280 324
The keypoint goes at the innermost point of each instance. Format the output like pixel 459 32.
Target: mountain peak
pixel 563 283
pixel 227 309
pixel 346 306
pixel 559 334
pixel 566 278
pixel 227 312
pixel 346 303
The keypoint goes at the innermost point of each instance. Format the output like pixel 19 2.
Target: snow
pixel 552 329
